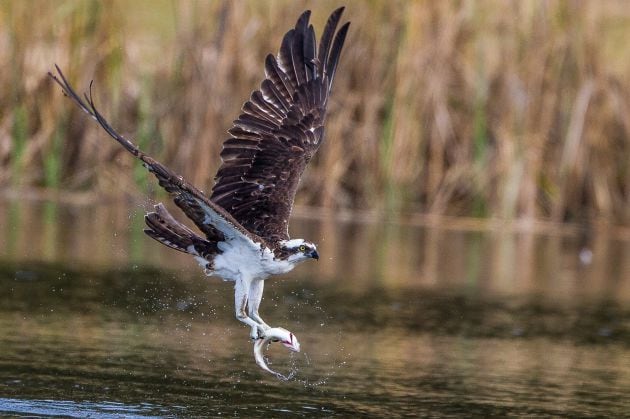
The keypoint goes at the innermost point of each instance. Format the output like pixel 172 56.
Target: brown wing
pixel 280 129
pixel 170 232
pixel 214 221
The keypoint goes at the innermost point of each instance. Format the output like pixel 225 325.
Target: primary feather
pixel 280 129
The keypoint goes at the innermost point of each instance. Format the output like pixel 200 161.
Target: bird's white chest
pixel 251 260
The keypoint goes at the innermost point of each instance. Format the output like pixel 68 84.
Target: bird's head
pixel 298 250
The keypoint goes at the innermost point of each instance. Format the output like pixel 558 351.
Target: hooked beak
pixel 314 255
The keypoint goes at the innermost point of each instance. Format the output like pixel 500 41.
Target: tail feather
pixel 170 232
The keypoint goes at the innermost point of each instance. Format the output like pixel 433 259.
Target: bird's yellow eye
pixel 302 248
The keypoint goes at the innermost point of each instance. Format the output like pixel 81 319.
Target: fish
pixel 275 334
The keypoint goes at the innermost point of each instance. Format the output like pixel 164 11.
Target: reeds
pixel 487 108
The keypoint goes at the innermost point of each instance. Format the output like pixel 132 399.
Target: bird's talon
pixel 258 332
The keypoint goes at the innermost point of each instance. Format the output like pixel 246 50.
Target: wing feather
pixel 213 220
pixel 285 59
pixel 272 94
pixel 297 49
pixel 327 37
pixel 335 52
pixel 258 100
pixel 310 47
pixel 280 129
pixel 278 77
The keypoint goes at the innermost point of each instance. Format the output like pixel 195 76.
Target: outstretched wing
pixel 214 221
pixel 280 129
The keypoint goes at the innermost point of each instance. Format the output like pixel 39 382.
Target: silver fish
pixel 275 334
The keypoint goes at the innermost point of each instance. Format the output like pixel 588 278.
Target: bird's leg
pixel 241 290
pixel 255 296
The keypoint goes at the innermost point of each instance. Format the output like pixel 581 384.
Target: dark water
pixel 98 321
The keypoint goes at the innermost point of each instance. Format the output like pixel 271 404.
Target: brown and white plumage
pixel 245 219
pixel 280 129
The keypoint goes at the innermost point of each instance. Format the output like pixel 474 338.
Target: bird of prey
pixel 245 219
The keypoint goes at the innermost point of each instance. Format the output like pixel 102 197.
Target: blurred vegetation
pixel 511 109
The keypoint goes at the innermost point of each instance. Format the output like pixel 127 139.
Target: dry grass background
pixel 511 109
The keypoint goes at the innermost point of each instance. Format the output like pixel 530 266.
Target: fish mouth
pixel 292 343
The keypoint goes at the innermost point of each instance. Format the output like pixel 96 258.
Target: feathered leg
pixel 255 296
pixel 241 296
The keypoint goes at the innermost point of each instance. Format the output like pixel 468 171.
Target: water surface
pixel 98 320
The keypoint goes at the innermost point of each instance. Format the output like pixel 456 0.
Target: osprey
pixel 245 219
